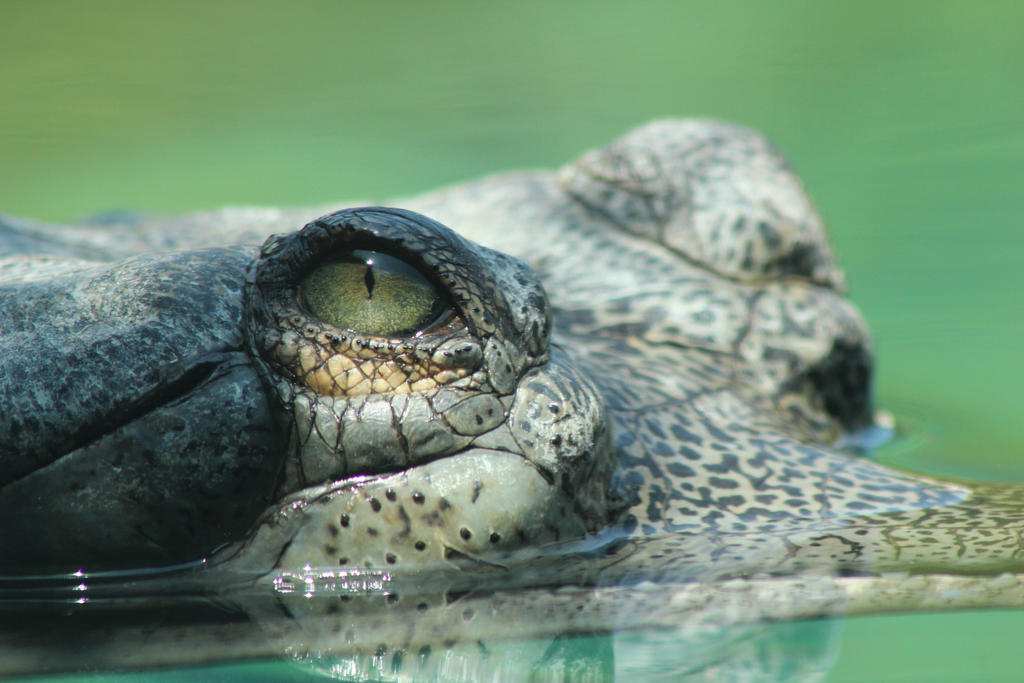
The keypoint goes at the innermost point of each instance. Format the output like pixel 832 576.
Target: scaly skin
pixel 702 364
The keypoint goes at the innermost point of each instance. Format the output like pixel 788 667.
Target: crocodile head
pixel 375 389
pixel 374 366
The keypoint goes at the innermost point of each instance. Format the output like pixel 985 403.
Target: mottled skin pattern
pixel 679 405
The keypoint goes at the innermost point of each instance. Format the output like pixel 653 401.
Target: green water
pixel 905 119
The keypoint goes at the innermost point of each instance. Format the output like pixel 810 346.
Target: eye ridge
pixel 469 342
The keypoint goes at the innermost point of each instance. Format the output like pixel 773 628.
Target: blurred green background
pixel 906 120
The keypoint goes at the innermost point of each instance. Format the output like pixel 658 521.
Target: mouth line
pixel 310 494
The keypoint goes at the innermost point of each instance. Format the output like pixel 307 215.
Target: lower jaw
pixel 475 506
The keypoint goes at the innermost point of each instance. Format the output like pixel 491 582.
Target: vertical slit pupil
pixel 369 280
pixel 408 303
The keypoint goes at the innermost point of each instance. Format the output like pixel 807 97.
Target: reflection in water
pixel 364 624
pixel 800 651
pixel 797 651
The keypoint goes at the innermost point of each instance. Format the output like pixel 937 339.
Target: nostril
pixel 842 380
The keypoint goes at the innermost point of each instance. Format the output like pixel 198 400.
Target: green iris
pixel 373 294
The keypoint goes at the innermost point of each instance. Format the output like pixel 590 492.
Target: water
pixel 905 120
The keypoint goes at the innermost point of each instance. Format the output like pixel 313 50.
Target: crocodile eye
pixel 373 294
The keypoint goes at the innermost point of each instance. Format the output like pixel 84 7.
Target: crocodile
pixel 638 369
